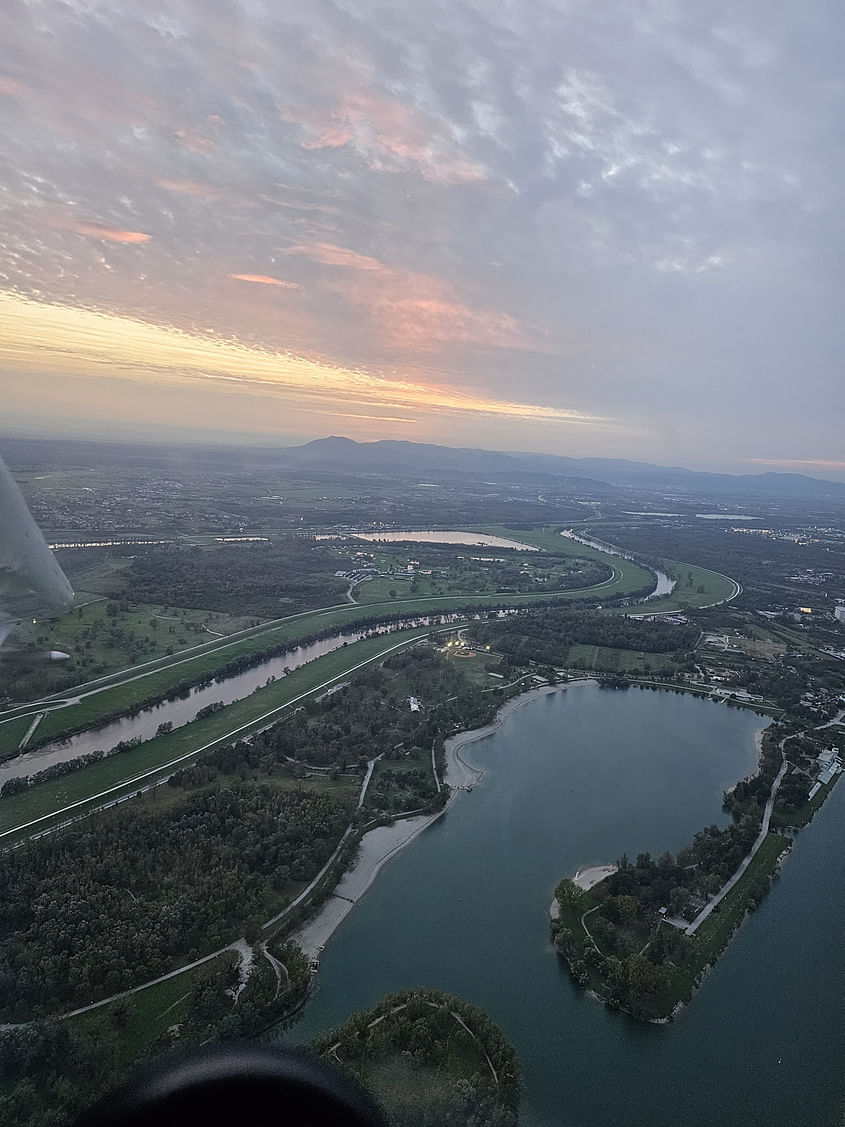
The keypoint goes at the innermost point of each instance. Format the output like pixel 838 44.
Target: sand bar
pixel 588 878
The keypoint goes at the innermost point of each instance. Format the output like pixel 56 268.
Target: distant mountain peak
pixel 401 458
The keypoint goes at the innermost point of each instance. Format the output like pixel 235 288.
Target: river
pixel 576 778
pixel 177 711
pixel 665 584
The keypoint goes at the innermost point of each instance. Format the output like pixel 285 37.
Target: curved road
pixel 764 827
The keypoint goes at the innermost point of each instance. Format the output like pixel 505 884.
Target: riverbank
pixel 376 849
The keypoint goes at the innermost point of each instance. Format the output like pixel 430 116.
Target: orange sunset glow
pixel 54 338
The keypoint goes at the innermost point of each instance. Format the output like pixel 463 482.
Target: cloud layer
pixel 621 213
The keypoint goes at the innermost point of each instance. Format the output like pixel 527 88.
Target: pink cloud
pixel 419 322
pixel 192 139
pixel 388 134
pixel 265 280
pixel 9 86
pixel 189 188
pixel 111 234
pixel 329 254
pixel 413 311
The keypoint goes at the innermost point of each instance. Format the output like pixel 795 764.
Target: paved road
pixel 764 827
pixel 746 861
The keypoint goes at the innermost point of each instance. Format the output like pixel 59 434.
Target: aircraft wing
pixel 31 582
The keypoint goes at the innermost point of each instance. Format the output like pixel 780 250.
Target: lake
pixel 471 539
pixel 577 778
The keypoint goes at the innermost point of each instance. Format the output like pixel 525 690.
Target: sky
pixel 609 229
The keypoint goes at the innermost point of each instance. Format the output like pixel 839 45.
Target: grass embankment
pixel 717 929
pixel 695 587
pixel 123 771
pixel 11 734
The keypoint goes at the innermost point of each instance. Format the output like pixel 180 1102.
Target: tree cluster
pixel 444 1040
pixel 267 579
pixel 369 717
pixel 615 937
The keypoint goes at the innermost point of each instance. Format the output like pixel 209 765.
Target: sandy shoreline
pixel 459 773
pixel 586 879
pixel 382 843
pixel 375 850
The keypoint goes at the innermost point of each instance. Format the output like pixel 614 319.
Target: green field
pixel 120 774
pixel 95 637
pixel 150 1012
pixel 715 588
pixel 474 668
pixel 378 590
pixel 609 660
pixel 628 576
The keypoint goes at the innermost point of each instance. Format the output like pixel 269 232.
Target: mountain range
pixel 415 459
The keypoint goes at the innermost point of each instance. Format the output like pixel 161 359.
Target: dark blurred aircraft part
pixel 31 582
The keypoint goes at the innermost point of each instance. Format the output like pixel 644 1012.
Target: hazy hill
pixel 416 459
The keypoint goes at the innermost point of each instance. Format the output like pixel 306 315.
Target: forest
pixel 270 579
pixel 194 865
pixel 132 892
pixel 545 636
pixel 370 717
pixel 125 896
pixel 431 1060
pixel 50 1071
